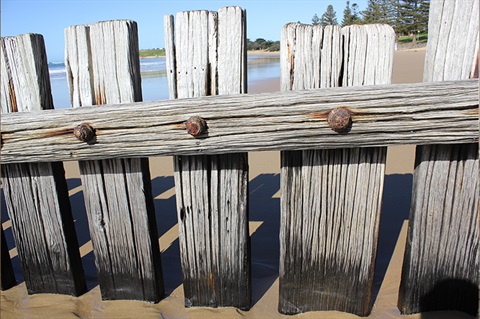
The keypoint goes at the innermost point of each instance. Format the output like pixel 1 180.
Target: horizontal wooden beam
pixel 423 113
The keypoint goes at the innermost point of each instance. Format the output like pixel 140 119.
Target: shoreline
pixel 249 53
pixel 401 47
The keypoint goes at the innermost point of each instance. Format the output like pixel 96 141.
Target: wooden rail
pixel 423 113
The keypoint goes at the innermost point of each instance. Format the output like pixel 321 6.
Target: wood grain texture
pixel 441 264
pixel 7 276
pixel 169 33
pixel 441 260
pixel 24 74
pixel 424 113
pixel 36 194
pixel 453 41
pixel 214 242
pixel 331 199
pixel 329 229
pixel 310 57
pixel 210 58
pixel 364 45
pixel 103 67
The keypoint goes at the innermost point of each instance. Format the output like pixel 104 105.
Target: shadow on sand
pixel 264 210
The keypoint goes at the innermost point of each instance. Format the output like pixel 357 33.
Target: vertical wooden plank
pixel 441 264
pixel 169 27
pixel 232 54
pixel 117 192
pixel 330 61
pixel 80 82
pixel 36 195
pixel 441 259
pixel 287 55
pixel 331 199
pixel 213 54
pixel 7 276
pixel 450 56
pixel 210 59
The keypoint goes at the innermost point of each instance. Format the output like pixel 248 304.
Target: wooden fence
pixel 333 138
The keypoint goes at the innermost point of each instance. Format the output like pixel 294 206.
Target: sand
pixel 264 215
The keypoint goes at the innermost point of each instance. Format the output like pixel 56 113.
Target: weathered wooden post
pixel 331 199
pixel 36 195
pixel 209 58
pixel 441 264
pixel 7 276
pixel 103 67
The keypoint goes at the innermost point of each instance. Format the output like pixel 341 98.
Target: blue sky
pixel 265 18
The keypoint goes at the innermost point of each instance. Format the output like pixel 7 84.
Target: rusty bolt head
pixel 340 120
pixel 84 132
pixel 196 126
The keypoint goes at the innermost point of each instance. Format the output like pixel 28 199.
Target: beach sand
pixel 264 216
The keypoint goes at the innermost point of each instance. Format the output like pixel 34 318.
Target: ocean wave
pixel 146 62
pixel 57 71
pixel 258 67
pixel 152 65
pixel 146 65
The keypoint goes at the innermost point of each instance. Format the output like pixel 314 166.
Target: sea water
pixel 154 77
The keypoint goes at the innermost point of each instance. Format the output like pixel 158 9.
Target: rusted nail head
pixel 196 126
pixel 84 132
pixel 340 119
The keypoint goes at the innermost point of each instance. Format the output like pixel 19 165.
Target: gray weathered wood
pixel 441 259
pixel 331 199
pixel 453 42
pixel 7 276
pixel 213 223
pixel 310 57
pixel 423 113
pixel 103 67
pixel 169 28
pixel 36 195
pixel 441 264
pixel 209 58
pixel 329 237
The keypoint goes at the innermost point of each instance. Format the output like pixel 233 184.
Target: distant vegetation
pixel 262 44
pixel 421 38
pixel 152 53
pixel 259 44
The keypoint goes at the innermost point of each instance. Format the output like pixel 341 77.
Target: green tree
pixel 372 13
pixel 329 17
pixel 315 20
pixel 355 14
pixel 350 15
pixel 412 17
pixel 424 12
pixel 380 11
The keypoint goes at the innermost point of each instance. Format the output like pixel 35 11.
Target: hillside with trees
pixel 408 18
